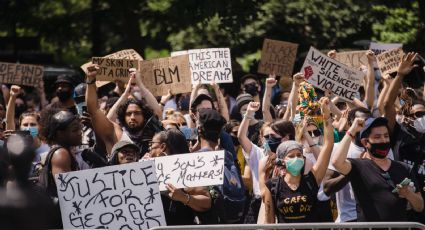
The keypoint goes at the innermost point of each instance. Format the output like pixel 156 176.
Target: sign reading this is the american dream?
pixel 163 74
pixel 114 69
pixel 353 59
pixel 209 65
pixel 115 197
pixel 190 170
pixel 277 57
pixel 21 74
pixel 389 60
pixel 328 74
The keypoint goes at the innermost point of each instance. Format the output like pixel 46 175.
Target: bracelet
pixel 350 134
pixel 161 103
pixel 247 116
pixel 188 197
pixel 313 145
pixel 88 82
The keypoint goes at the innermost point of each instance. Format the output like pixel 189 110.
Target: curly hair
pixel 46 124
pixel 122 109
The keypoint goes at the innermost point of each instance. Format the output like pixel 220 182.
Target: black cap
pixel 371 123
pixel 211 120
pixel 248 76
pixel 198 100
pixel 64 78
pixel 80 92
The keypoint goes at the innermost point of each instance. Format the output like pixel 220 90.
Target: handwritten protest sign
pixel 378 48
pixel 114 69
pixel 277 57
pixel 114 197
pixel 388 61
pixel 208 65
pixel 190 170
pixel 353 59
pixel 21 74
pixel 122 54
pixel 160 75
pixel 326 73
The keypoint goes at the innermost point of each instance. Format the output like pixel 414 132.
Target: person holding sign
pixel 293 197
pixel 136 119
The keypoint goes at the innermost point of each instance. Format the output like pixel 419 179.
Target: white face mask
pixel 419 124
pixel 399 118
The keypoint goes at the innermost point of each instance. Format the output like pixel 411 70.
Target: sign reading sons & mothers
pixel 209 65
pixel 21 74
pixel 190 170
pixel 115 197
pixel 163 74
pixel 326 73
pixel 114 69
pixel 389 60
pixel 277 57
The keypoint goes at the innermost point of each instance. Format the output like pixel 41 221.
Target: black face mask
pixel 64 95
pixel 251 89
pixel 235 141
pixel 379 150
pixel 273 143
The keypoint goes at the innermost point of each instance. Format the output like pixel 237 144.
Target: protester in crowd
pixel 376 179
pixel 124 152
pixel 64 88
pixel 254 125
pixel 136 120
pixel 280 191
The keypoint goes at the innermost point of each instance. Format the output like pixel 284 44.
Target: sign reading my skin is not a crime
pixel 326 73
pixel 114 69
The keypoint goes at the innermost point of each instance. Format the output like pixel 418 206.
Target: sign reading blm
pixel 277 57
pixel 113 69
pixel 21 74
pixel 328 74
pixel 190 170
pixel 115 197
pixel 209 65
pixel 163 74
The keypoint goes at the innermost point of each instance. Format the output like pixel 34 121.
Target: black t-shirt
pixel 373 190
pixel 176 213
pixel 411 150
pixel 295 206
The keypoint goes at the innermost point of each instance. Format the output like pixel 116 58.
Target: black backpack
pixel 229 199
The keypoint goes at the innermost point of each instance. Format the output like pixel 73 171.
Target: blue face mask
pixel 33 130
pixel 294 165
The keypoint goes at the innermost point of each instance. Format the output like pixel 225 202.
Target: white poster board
pixel 190 170
pixel 325 73
pixel 115 197
pixel 209 65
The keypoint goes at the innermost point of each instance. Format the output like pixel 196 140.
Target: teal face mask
pixel 294 165
pixel 33 131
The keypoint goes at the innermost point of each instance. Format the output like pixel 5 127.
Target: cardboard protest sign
pixel 114 69
pixel 115 197
pixel 388 61
pixel 277 57
pixel 190 170
pixel 160 75
pixel 209 65
pixel 122 54
pixel 378 48
pixel 21 74
pixel 353 59
pixel 325 73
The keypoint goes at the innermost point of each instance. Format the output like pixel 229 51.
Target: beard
pixel 133 128
pixel 64 95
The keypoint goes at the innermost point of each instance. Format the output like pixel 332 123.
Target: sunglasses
pixel 315 133
pixel 268 136
pixel 419 114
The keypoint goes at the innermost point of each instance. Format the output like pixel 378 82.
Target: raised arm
pixel 385 89
pixel 319 168
pixel 147 95
pixel 270 82
pixel 222 106
pixel 293 97
pixel 10 109
pixel 243 127
pixel 370 80
pixel 404 68
pixel 112 114
pixel 101 124
pixel 339 160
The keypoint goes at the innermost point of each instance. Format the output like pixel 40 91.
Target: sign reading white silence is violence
pixel 190 170
pixel 328 74
pixel 209 65
pixel 115 197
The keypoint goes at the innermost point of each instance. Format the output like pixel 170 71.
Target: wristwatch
pixel 88 82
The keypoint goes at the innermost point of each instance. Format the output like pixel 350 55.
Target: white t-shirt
pixel 253 160
pixel 345 200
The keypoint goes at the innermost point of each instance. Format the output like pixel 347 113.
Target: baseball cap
pixel 63 78
pixel 211 120
pixel 371 123
pixel 198 100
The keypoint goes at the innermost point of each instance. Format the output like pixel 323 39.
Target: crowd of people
pixel 301 155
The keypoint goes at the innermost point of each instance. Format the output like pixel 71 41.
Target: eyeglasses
pixel 128 151
pixel 136 113
pixel 152 142
pixel 268 136
pixel 315 133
